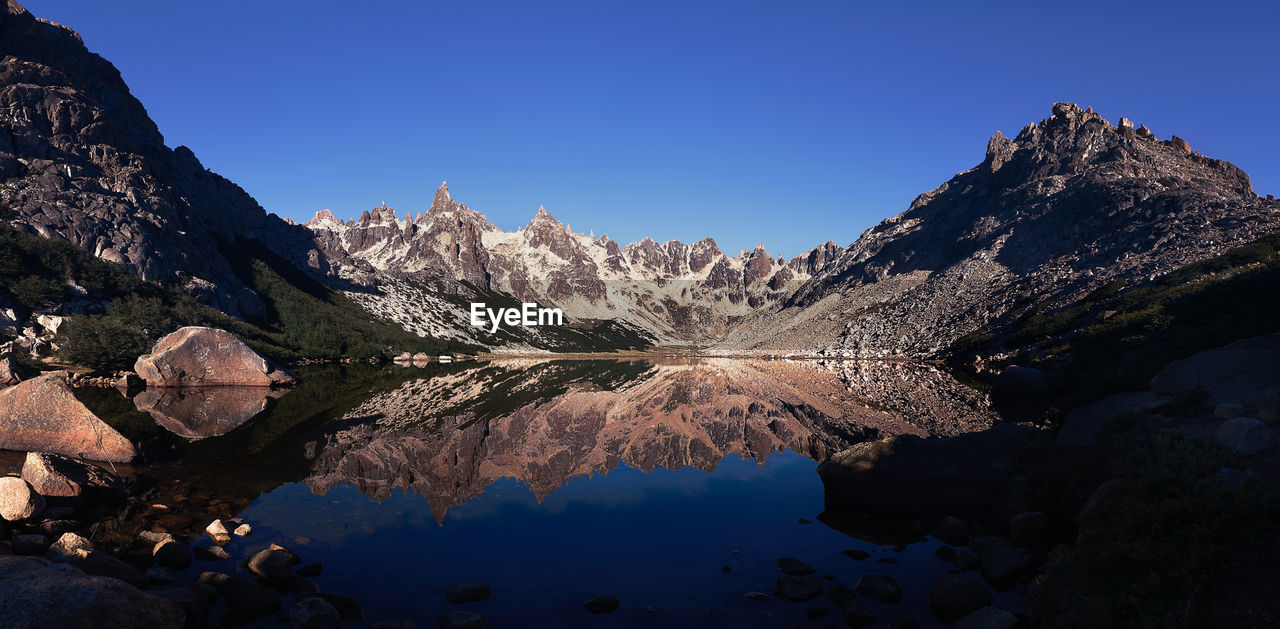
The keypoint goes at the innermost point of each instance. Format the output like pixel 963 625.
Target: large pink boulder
pixel 204 357
pixel 43 415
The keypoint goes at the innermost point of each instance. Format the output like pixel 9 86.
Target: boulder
pixel 1015 383
pixel 273 565
pixel 956 596
pixel 172 554
pixel 1238 372
pixel 988 618
pixel 101 564
pixel 18 501
pixel 242 594
pixel 43 415
pixel 29 544
pixel 1245 435
pixel 468 593
pixel 217 529
pixel 1227 410
pixel 878 587
pixel 199 357
pixel 38 594
pixel 65 547
pixel 54 475
pixel 313 613
pixel 906 474
pixel 856 614
pixel 347 607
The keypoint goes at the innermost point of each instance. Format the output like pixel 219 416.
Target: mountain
pixel 674 292
pixel 80 160
pixel 1070 205
pixel 1073 203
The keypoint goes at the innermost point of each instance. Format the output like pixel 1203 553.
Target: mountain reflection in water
pixel 553 480
pixel 450 436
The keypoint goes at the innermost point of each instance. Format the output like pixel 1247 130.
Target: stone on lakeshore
pixel 218 531
pixel 199 356
pixel 66 545
pixel 468 592
pixel 38 593
pixel 173 554
pixel 241 593
pixel 100 564
pixel 347 607
pixel 984 544
pixel 1245 435
pixel 29 544
pixel 945 553
pixel 273 565
pixel 43 415
pixel 855 554
pixel 310 570
pixel 602 605
pixel 841 594
pixel 1004 567
pixel 798 588
pixel 53 475
pixel 878 587
pixel 153 537
pixel 313 613
pixel 244 530
pixel 956 596
pixel 210 553
pixel 18 501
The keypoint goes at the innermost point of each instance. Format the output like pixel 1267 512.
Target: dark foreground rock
pixel 906 474
pixel 43 415
pixel 602 604
pixel 956 596
pixel 40 594
pixel 798 589
pixel 52 475
pixel 241 593
pixel 458 619
pixel 200 357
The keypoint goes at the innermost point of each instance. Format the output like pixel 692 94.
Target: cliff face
pixel 81 160
pixel 1071 203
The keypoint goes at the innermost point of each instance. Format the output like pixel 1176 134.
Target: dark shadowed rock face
pixel 909 475
pixel 38 593
pixel 43 415
pixel 81 160
pixel 203 357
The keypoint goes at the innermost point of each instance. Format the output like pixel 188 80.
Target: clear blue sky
pixel 789 123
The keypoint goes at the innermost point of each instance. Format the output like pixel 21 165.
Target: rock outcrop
pixel 57 476
pixel 43 415
pixel 81 160
pixel 905 474
pixel 206 357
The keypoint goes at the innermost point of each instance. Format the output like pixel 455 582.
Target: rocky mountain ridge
pixel 677 292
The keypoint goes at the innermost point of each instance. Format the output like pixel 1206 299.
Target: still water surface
pixel 554 482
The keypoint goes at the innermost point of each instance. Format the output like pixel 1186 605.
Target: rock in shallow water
pixel 242 594
pixel 988 618
pixel 273 565
pixel 313 613
pixel 199 356
pixel 173 554
pixel 602 604
pixel 794 567
pixel 797 589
